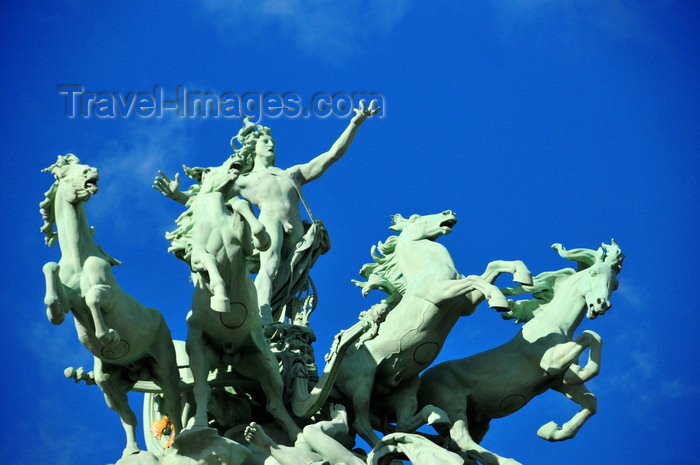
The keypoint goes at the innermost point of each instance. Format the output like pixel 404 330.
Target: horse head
pixel 596 286
pixel 598 269
pixel 222 178
pixel 418 227
pixel 75 182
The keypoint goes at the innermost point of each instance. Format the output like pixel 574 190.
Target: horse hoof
pixel 523 277
pixel 438 417
pixel 499 302
pixel 262 241
pixel 220 304
pixel 110 338
pixel 548 431
pixel 55 314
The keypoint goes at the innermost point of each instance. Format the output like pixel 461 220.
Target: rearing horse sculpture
pixel 129 341
pixel 542 356
pixel 224 326
pixel 427 297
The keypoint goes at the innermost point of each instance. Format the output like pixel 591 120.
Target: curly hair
pixel 247 138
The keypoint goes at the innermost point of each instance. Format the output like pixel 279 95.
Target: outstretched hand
pixel 167 187
pixel 363 112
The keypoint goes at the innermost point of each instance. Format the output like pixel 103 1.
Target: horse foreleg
pixel 481 285
pixel 115 385
pixel 560 357
pixel 521 274
pixel 97 297
pixel 261 239
pixel 472 283
pixel 582 396
pixel 203 261
pixel 578 375
pixel 54 310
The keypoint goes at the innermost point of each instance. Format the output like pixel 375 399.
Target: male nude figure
pixel 276 193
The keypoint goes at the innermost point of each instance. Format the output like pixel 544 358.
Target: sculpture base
pixel 204 446
pixel 141 458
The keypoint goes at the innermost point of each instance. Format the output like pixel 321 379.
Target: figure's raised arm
pixel 316 167
pixel 170 188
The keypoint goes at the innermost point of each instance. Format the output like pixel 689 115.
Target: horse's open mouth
pixel 593 313
pixel 449 223
pixel 91 185
pixel 236 166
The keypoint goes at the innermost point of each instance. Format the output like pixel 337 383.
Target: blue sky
pixel 536 121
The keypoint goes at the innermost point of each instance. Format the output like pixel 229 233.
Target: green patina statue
pixel 243 389
pixel 129 341
pixel 215 235
pixel 542 356
pixel 276 192
pixel 427 297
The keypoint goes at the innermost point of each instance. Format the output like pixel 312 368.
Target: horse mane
pixel 48 215
pixel 384 273
pixel 46 206
pixel 610 254
pixel 181 238
pixel 542 289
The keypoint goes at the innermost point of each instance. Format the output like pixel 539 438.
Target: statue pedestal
pixel 204 446
pixel 142 458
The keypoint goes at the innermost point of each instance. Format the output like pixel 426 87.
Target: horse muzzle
pixel 598 308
